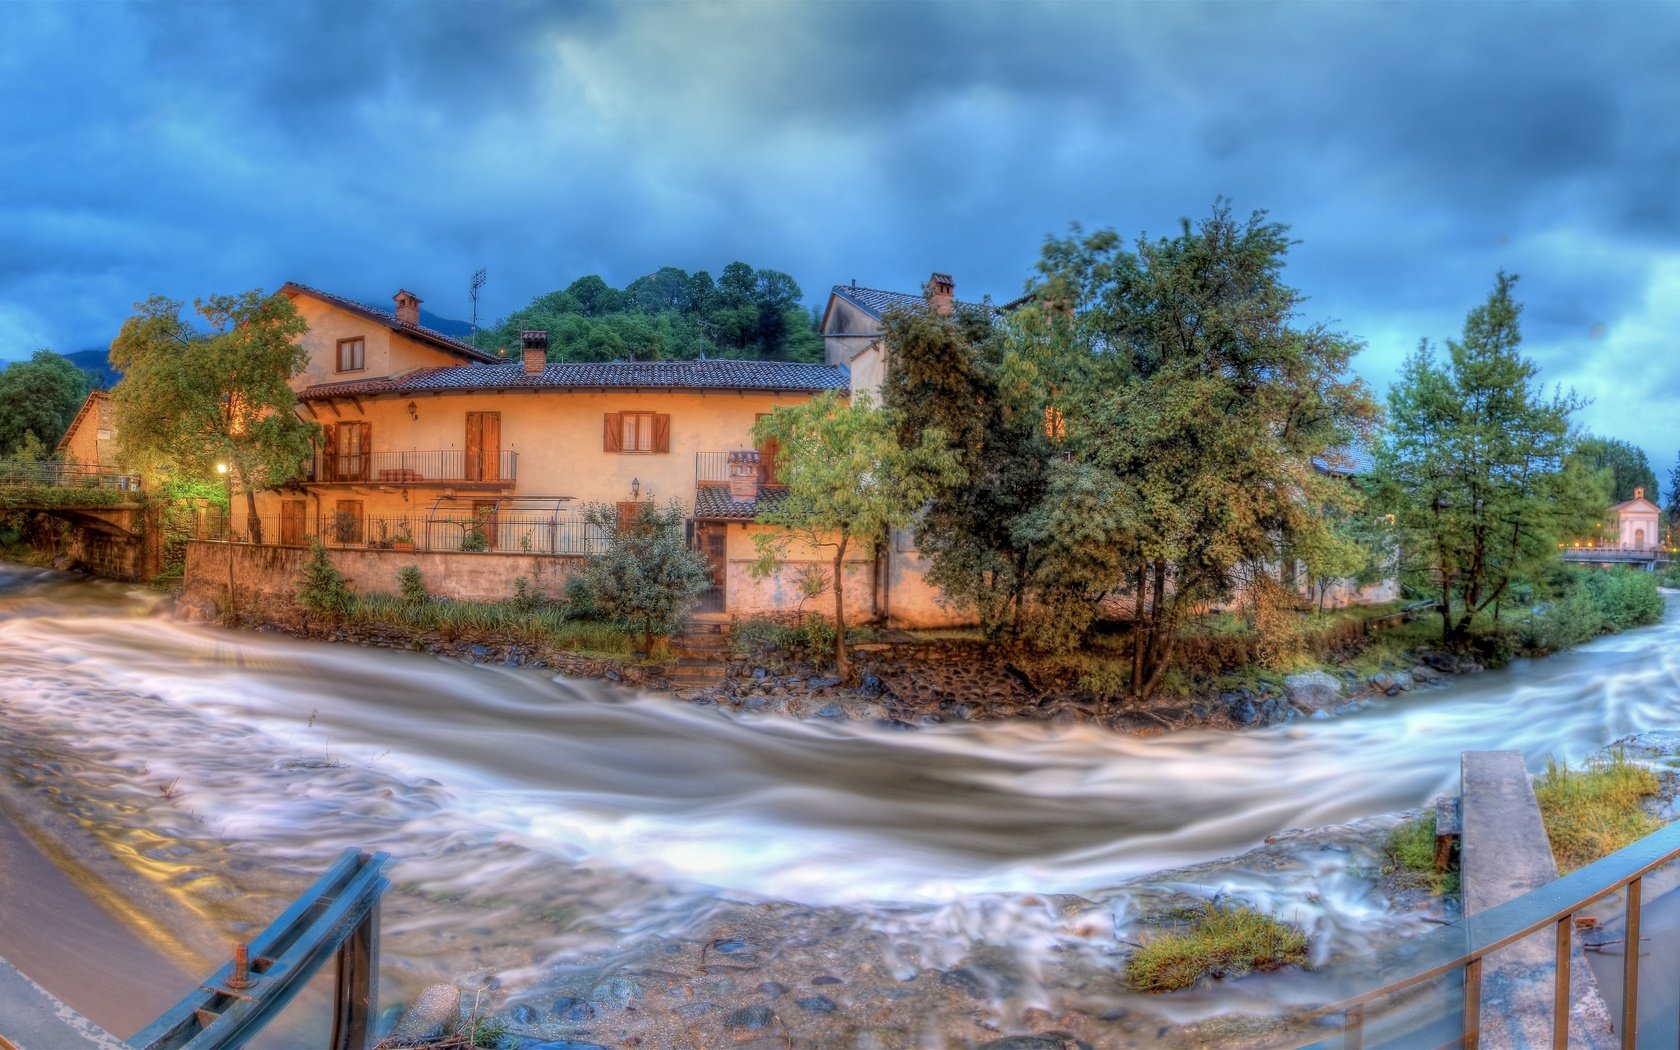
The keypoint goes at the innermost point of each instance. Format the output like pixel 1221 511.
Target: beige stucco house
pixel 430 441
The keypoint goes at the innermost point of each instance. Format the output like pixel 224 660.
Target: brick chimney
pixel 533 350
pixel 408 307
pixel 743 475
pixel 941 293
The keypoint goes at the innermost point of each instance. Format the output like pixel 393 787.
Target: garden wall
pixel 269 574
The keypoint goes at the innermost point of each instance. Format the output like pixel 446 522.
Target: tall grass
pixel 1593 812
pixel 545 624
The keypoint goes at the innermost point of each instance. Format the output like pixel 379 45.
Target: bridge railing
pixel 335 919
pixel 69 475
pixel 1462 947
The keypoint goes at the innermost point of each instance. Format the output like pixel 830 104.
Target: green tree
pixel 40 396
pixel 1673 506
pixel 648 577
pixel 1473 465
pixel 849 480
pixel 189 400
pixel 1620 466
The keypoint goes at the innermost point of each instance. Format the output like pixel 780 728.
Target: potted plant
pixel 403 538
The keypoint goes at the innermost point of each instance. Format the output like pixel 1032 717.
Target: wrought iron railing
pixel 69 475
pixel 443 466
pixel 1462 947
pixel 711 468
pixel 510 532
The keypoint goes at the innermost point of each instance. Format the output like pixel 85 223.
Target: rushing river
pixel 552 834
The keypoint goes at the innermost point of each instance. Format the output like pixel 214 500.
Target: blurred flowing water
pixel 538 821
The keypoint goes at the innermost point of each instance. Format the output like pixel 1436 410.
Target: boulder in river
pixel 434 1015
pixel 1391 683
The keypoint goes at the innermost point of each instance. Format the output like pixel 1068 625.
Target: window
pixel 350 355
pixel 636 432
pixel 347 521
pixel 348 451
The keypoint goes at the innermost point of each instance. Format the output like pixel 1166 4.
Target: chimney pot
pixel 743 475
pixel 408 307
pixel 941 293
pixel 533 350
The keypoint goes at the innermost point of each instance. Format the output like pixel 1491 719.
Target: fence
pixel 69 475
pixel 1461 948
pixel 412 468
pixel 562 532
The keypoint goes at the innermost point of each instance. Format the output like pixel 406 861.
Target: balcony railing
pixel 69 475
pixel 711 468
pixel 443 467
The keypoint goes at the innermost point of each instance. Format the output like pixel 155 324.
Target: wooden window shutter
pixel 364 446
pixel 612 432
pixel 662 433
pixel 329 453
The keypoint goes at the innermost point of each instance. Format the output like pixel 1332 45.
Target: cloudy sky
pixel 1413 149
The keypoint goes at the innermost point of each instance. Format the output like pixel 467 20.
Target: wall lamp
pixel 635 488
pixel 413 413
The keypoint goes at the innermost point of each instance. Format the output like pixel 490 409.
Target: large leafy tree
pixel 1673 507
pixel 1474 464
pixel 191 399
pixel 1210 403
pixel 849 480
pixel 39 396
pixel 1619 466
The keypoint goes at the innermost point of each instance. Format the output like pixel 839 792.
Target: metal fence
pixel 509 532
pixel 415 468
pixel 1551 910
pixel 711 467
pixel 69 475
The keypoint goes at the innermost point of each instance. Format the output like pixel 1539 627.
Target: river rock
pixel 1392 683
pixel 1313 691
pixel 1240 708
pixel 1046 1041
pixel 876 1037
pixel 824 683
pixel 751 1018
pixel 434 1015
pixel 965 981
pixel 570 1009
pixel 817 1004
pixel 616 990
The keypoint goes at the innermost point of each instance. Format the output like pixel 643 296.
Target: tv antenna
pixel 473 286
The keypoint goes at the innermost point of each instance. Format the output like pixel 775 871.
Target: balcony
pixel 452 468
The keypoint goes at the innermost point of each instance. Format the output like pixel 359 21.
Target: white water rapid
pixel 545 828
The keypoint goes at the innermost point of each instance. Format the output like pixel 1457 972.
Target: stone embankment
pixel 904 685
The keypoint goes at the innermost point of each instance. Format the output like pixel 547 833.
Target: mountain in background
pixel 447 325
pixel 97 361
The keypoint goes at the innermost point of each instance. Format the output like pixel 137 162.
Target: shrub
pixel 1226 942
pixel 411 586
pixel 647 578
pixel 321 587
pixel 525 597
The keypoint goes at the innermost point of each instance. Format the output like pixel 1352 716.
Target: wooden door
pixel 484 517
pixel 712 539
pixel 484 446
pixel 349 451
pixel 292 515
pixel 767 459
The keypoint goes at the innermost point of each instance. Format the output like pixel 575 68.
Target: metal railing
pixel 1462 947
pixel 335 919
pixel 443 466
pixel 69 475
pixel 711 468
pixel 508 532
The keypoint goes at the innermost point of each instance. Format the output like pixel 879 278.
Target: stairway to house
pixel 702 649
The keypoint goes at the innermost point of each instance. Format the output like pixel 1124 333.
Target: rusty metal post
pixel 1472 1004
pixel 241 978
pixel 1630 967
pixel 356 985
pixel 1560 990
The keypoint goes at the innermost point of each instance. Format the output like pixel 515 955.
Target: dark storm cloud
pixel 1414 150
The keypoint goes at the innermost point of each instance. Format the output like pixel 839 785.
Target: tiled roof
pixel 878 303
pixel 389 320
pixel 601 375
pixel 1637 501
pixel 713 503
pixel 1350 462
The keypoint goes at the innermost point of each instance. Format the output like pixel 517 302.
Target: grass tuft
pixel 1411 857
pixel 1224 942
pixel 1593 812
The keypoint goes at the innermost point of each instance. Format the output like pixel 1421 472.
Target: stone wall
pixel 270 573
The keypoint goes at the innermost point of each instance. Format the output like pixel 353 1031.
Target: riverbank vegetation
pixel 1411 858
pixel 1594 811
pixel 1216 941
